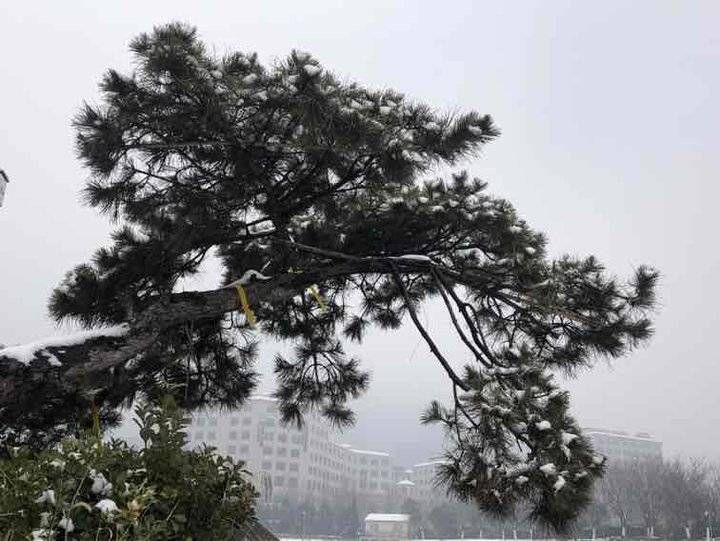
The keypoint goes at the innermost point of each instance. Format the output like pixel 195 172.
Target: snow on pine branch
pixel 25 353
pixel 248 277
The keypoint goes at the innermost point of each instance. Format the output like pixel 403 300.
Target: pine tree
pixel 316 194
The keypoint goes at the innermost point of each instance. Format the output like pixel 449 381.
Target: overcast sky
pixel 609 114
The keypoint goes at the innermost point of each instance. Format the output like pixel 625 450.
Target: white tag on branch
pixel 249 277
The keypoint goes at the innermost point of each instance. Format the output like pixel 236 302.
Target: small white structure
pixel 386 527
pixel 4 181
pixel 405 489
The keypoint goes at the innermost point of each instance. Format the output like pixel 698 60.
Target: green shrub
pixel 89 489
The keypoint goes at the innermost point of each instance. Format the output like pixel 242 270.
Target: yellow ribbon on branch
pixel 245 305
pixel 315 293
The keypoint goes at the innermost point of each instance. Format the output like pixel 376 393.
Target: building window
pixel 246 421
pixel 234 421
pixel 267 466
pixel 245 435
pixel 231 449
pixel 292 482
pixel 282 437
pixel 212 421
pixel 280 466
pixel 233 434
pixel 294 453
pixel 282 451
pixel 293 466
pixel 279 481
pixel 244 449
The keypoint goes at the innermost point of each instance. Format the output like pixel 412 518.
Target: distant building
pixel 423 476
pixel 307 462
pixel 405 490
pixel 399 473
pixel 620 446
pixel 386 527
pixel 285 460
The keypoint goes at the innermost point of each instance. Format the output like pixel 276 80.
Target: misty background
pixel 609 117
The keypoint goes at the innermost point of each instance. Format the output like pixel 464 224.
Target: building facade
pixel 285 460
pixel 619 446
pixel 423 477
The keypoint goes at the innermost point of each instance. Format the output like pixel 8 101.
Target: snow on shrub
pixel 89 489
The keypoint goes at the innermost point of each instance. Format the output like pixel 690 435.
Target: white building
pixel 405 490
pixel 620 446
pixel 372 470
pixel 386 527
pixel 424 478
pixel 307 462
pixel 285 460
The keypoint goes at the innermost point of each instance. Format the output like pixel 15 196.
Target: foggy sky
pixel 609 114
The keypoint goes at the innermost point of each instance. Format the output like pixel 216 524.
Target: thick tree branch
pixel 94 359
pixel 62 370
